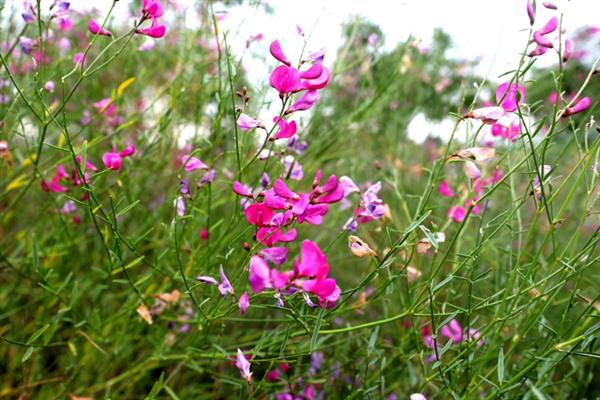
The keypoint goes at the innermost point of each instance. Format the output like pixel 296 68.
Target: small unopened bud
pixel 359 248
pixel 413 274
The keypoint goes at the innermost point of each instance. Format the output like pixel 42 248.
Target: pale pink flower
pixel 243 365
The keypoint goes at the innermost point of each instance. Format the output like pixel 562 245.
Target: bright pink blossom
pixel 578 107
pixel 445 190
pixel 243 303
pixel 112 159
pixel 457 213
pixel 507 96
pixel 285 129
pixel 95 28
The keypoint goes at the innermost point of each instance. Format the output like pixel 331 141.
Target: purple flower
pixel 207 280
pixel 209 177
pixel 184 189
pixel 225 287
pixel 290 162
pixel 26 44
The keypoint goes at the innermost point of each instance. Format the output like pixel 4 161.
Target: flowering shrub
pixel 171 228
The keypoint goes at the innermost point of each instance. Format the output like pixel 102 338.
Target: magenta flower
pixel 154 31
pixel 452 331
pixel 152 10
pixel 550 26
pixel 244 366
pixel 277 53
pixel 96 29
pixel 112 159
pixel 457 213
pixel 243 303
pixel 567 50
pixel 192 163
pixel 578 107
pixel 259 277
pixel 444 189
pixel 78 58
pixel 507 96
pixel 285 79
pixel 285 129
pixel 54 184
pixel 259 214
pixel 530 12
pixel 241 190
pixel 304 102
pixel 310 274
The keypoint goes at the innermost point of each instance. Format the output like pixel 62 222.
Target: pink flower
pixel 241 190
pixel 471 170
pixel 260 275
pixel 275 255
pixel 567 50
pixel 224 286
pixel 155 30
pixel 444 189
pixel 578 107
pixel 259 214
pixel 54 184
pixel 192 163
pixel 243 303
pixel 203 234
pixel 285 129
pixel 507 97
pixel 78 58
pixel 275 50
pixel 530 12
pixel 457 213
pixel 245 122
pixel 96 30
pixel 488 115
pixel 112 160
pixel 348 185
pixel 152 8
pixel 285 79
pixel 304 102
pixel 550 26
pixel 452 331
pixel 243 365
